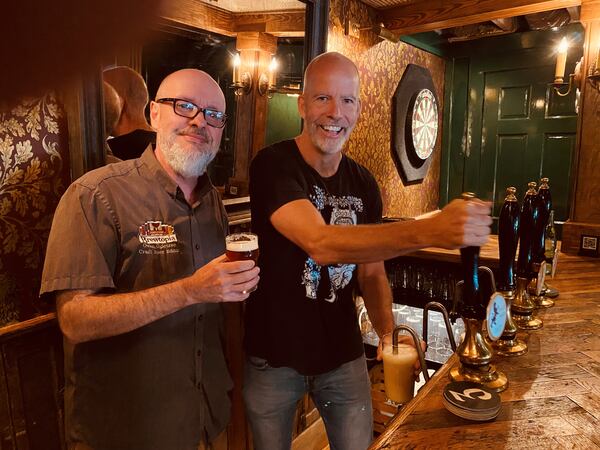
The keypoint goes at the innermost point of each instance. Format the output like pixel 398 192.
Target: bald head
pixel 330 63
pixel 130 86
pixel 112 108
pixel 189 84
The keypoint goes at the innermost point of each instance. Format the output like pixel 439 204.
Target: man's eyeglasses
pixel 185 108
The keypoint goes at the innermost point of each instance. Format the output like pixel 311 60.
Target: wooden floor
pixel 553 400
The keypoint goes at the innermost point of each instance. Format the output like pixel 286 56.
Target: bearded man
pixel 135 262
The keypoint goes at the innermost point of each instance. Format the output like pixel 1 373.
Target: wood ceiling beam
pixel 277 23
pixel 432 14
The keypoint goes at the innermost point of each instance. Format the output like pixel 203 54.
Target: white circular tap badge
pixel 496 316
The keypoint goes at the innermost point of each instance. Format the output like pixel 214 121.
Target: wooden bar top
pixel 488 255
pixel 553 398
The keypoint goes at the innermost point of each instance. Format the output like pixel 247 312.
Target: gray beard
pixel 185 163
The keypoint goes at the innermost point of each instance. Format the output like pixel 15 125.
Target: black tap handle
pixel 546 197
pixel 470 262
pixel 544 204
pixel 526 233
pixel 508 237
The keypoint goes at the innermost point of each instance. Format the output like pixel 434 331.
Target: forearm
pixel 459 224
pixel 88 316
pixel 330 244
pixel 378 300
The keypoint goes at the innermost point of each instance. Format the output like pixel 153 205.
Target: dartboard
pixel 424 123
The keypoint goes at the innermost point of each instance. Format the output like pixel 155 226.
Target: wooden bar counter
pixel 553 397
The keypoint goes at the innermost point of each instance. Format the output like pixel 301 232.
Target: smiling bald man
pixel 316 211
pixel 135 261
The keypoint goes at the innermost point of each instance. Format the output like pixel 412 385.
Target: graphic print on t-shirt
pixel 343 212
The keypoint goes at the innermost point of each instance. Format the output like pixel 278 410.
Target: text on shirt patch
pixel 343 212
pixel 157 238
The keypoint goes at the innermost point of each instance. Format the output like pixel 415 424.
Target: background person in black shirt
pixel 313 209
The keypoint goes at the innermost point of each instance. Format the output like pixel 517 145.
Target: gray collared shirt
pixel 126 227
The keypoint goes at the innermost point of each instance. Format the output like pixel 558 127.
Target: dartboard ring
pixel 424 124
pixel 415 118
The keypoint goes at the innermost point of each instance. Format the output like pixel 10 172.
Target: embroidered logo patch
pixel 156 233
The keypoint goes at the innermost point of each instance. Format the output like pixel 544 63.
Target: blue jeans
pixel 342 396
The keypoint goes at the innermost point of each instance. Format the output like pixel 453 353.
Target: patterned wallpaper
pixel 34 172
pixel 381 65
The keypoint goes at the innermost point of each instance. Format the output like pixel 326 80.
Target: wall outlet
pixel 589 245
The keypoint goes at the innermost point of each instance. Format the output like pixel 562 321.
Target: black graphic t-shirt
pixel 302 315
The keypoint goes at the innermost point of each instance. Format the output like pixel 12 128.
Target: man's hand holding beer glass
pixel 230 277
pixel 242 247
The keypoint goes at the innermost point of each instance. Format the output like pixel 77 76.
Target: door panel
pixel 527 132
pixel 555 163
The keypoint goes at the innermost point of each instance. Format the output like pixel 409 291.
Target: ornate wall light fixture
pixel 242 80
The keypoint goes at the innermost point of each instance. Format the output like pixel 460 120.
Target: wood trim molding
pixel 590 10
pixel 84 108
pixel 438 14
pixel 216 20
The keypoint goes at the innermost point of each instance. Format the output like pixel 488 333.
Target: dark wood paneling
pixel 438 14
pixel 7 437
pixel 32 384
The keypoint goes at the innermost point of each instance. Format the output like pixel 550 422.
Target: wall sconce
pixel 267 82
pixel 242 82
pixel 559 72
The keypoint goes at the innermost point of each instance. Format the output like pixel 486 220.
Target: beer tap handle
pixel 508 236
pixel 470 262
pixel 526 233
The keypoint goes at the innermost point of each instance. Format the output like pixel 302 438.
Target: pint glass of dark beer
pixel 240 246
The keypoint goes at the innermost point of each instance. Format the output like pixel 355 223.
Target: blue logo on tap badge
pixel 496 316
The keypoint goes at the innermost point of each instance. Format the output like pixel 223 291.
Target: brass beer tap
pixel 474 352
pixel 549 241
pixel 508 236
pixel 540 218
pixel 522 304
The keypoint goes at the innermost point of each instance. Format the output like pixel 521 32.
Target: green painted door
pixel 528 132
pixel 503 125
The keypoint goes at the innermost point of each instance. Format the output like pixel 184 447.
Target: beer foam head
pixel 242 242
pixel 406 353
